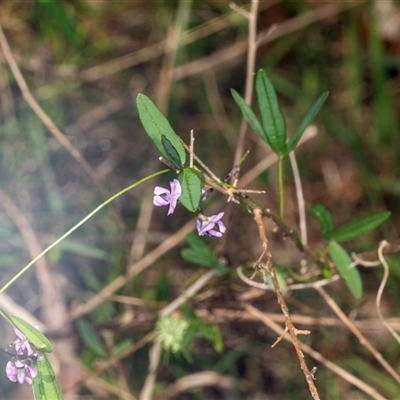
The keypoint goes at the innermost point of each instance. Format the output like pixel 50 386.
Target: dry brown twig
pixel 227 315
pixel 317 356
pixel 285 311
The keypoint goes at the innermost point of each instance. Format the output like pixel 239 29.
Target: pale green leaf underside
pixel 191 182
pixel 350 274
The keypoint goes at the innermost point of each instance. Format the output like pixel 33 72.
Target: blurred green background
pixel 86 61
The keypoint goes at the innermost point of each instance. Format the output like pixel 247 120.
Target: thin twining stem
pixel 75 227
pixel 382 245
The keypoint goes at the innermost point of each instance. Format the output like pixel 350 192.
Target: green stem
pixel 281 188
pixel 54 244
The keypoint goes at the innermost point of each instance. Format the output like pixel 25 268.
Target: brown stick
pixel 285 311
pixel 317 356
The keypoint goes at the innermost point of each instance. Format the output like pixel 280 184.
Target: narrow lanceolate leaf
pixel 45 386
pixel 156 125
pixel 249 115
pixel 312 112
pixel 325 219
pixel 342 262
pixel 272 118
pixel 360 227
pixel 191 182
pixel 33 335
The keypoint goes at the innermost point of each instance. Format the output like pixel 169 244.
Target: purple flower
pixel 21 371
pixel 211 226
pixel 163 197
pixel 21 368
pixel 22 345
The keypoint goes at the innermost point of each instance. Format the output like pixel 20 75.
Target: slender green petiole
pixel 74 228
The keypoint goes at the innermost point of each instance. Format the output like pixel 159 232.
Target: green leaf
pixel 188 311
pixel 272 118
pixel 342 262
pixel 324 217
pixel 360 227
pixel 156 125
pixel 198 252
pixel 45 386
pixel 216 338
pixel 312 112
pixel 191 181
pixel 91 338
pixel 249 115
pixel 55 17
pixel 33 335
pixel 172 152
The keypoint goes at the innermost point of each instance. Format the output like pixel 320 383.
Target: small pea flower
pixel 211 226
pixel 21 371
pixel 21 368
pixel 22 345
pixel 163 197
